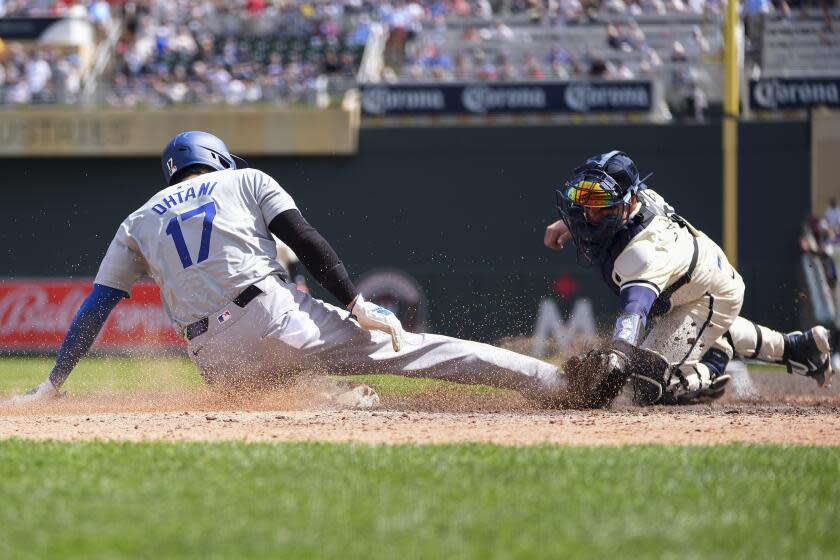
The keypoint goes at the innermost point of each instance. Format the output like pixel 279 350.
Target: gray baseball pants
pixel 284 332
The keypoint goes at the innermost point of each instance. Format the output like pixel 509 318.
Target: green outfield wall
pixel 461 209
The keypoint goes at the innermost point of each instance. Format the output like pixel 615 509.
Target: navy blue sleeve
pixel 316 254
pixel 637 300
pixel 83 331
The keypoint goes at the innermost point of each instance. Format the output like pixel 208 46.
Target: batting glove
pixel 46 391
pixel 371 317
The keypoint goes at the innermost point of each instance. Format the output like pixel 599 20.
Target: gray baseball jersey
pixel 203 241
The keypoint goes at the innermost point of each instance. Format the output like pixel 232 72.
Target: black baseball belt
pixel 244 298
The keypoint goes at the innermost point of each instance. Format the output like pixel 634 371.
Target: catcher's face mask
pixel 594 209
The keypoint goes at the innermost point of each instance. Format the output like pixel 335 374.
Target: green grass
pixel 407 386
pixel 111 500
pixel 116 375
pixel 95 375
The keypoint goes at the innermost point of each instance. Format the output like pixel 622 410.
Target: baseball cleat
pixel 809 354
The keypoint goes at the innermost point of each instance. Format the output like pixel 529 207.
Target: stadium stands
pixel 49 49
pixel 296 51
pixel 234 52
pixel 805 45
pixel 679 49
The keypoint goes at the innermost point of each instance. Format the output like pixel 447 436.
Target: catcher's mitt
pixel 595 379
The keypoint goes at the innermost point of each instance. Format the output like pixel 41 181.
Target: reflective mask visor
pixel 591 189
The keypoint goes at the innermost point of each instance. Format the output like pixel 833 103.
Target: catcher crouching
pixel 680 298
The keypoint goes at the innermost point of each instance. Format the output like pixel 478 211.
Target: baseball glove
pixel 595 378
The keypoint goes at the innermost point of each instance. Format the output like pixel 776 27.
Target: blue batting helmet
pixel 195 148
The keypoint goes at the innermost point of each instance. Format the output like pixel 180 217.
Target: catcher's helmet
pixel 606 182
pixel 195 148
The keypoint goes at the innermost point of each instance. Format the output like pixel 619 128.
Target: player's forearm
pixel 84 329
pixel 316 254
pixel 636 303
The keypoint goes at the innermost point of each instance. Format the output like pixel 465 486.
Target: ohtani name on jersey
pixel 179 197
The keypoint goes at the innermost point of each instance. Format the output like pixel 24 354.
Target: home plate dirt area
pixel 789 412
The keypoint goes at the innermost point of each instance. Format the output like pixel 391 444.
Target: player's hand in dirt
pixel 372 317
pixel 46 391
pixel 557 235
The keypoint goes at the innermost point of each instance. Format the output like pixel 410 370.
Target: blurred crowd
pixel 677 55
pixel 42 75
pixel 234 52
pixel 622 44
pixel 34 73
pixel 821 238
pixel 287 51
pixel 826 230
pixel 98 11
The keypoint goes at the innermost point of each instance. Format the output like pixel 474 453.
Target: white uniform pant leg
pixel 331 343
pixel 756 342
pixel 686 332
pixel 284 331
pixel 442 357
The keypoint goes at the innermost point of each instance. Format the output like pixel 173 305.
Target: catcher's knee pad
pixel 649 375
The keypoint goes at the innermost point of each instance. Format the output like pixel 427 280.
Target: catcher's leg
pixel 805 353
pixel 688 333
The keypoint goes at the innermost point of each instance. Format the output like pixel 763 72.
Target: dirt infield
pixel 789 412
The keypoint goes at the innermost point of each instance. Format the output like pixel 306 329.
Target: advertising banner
pixel 507 97
pixel 771 94
pixel 35 315
pixel 253 131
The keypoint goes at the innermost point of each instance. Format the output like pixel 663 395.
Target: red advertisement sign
pixel 35 314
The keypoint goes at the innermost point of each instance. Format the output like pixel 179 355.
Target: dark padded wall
pixel 774 173
pixel 462 209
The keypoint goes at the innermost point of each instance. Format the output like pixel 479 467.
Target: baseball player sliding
pixel 206 240
pixel 679 297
